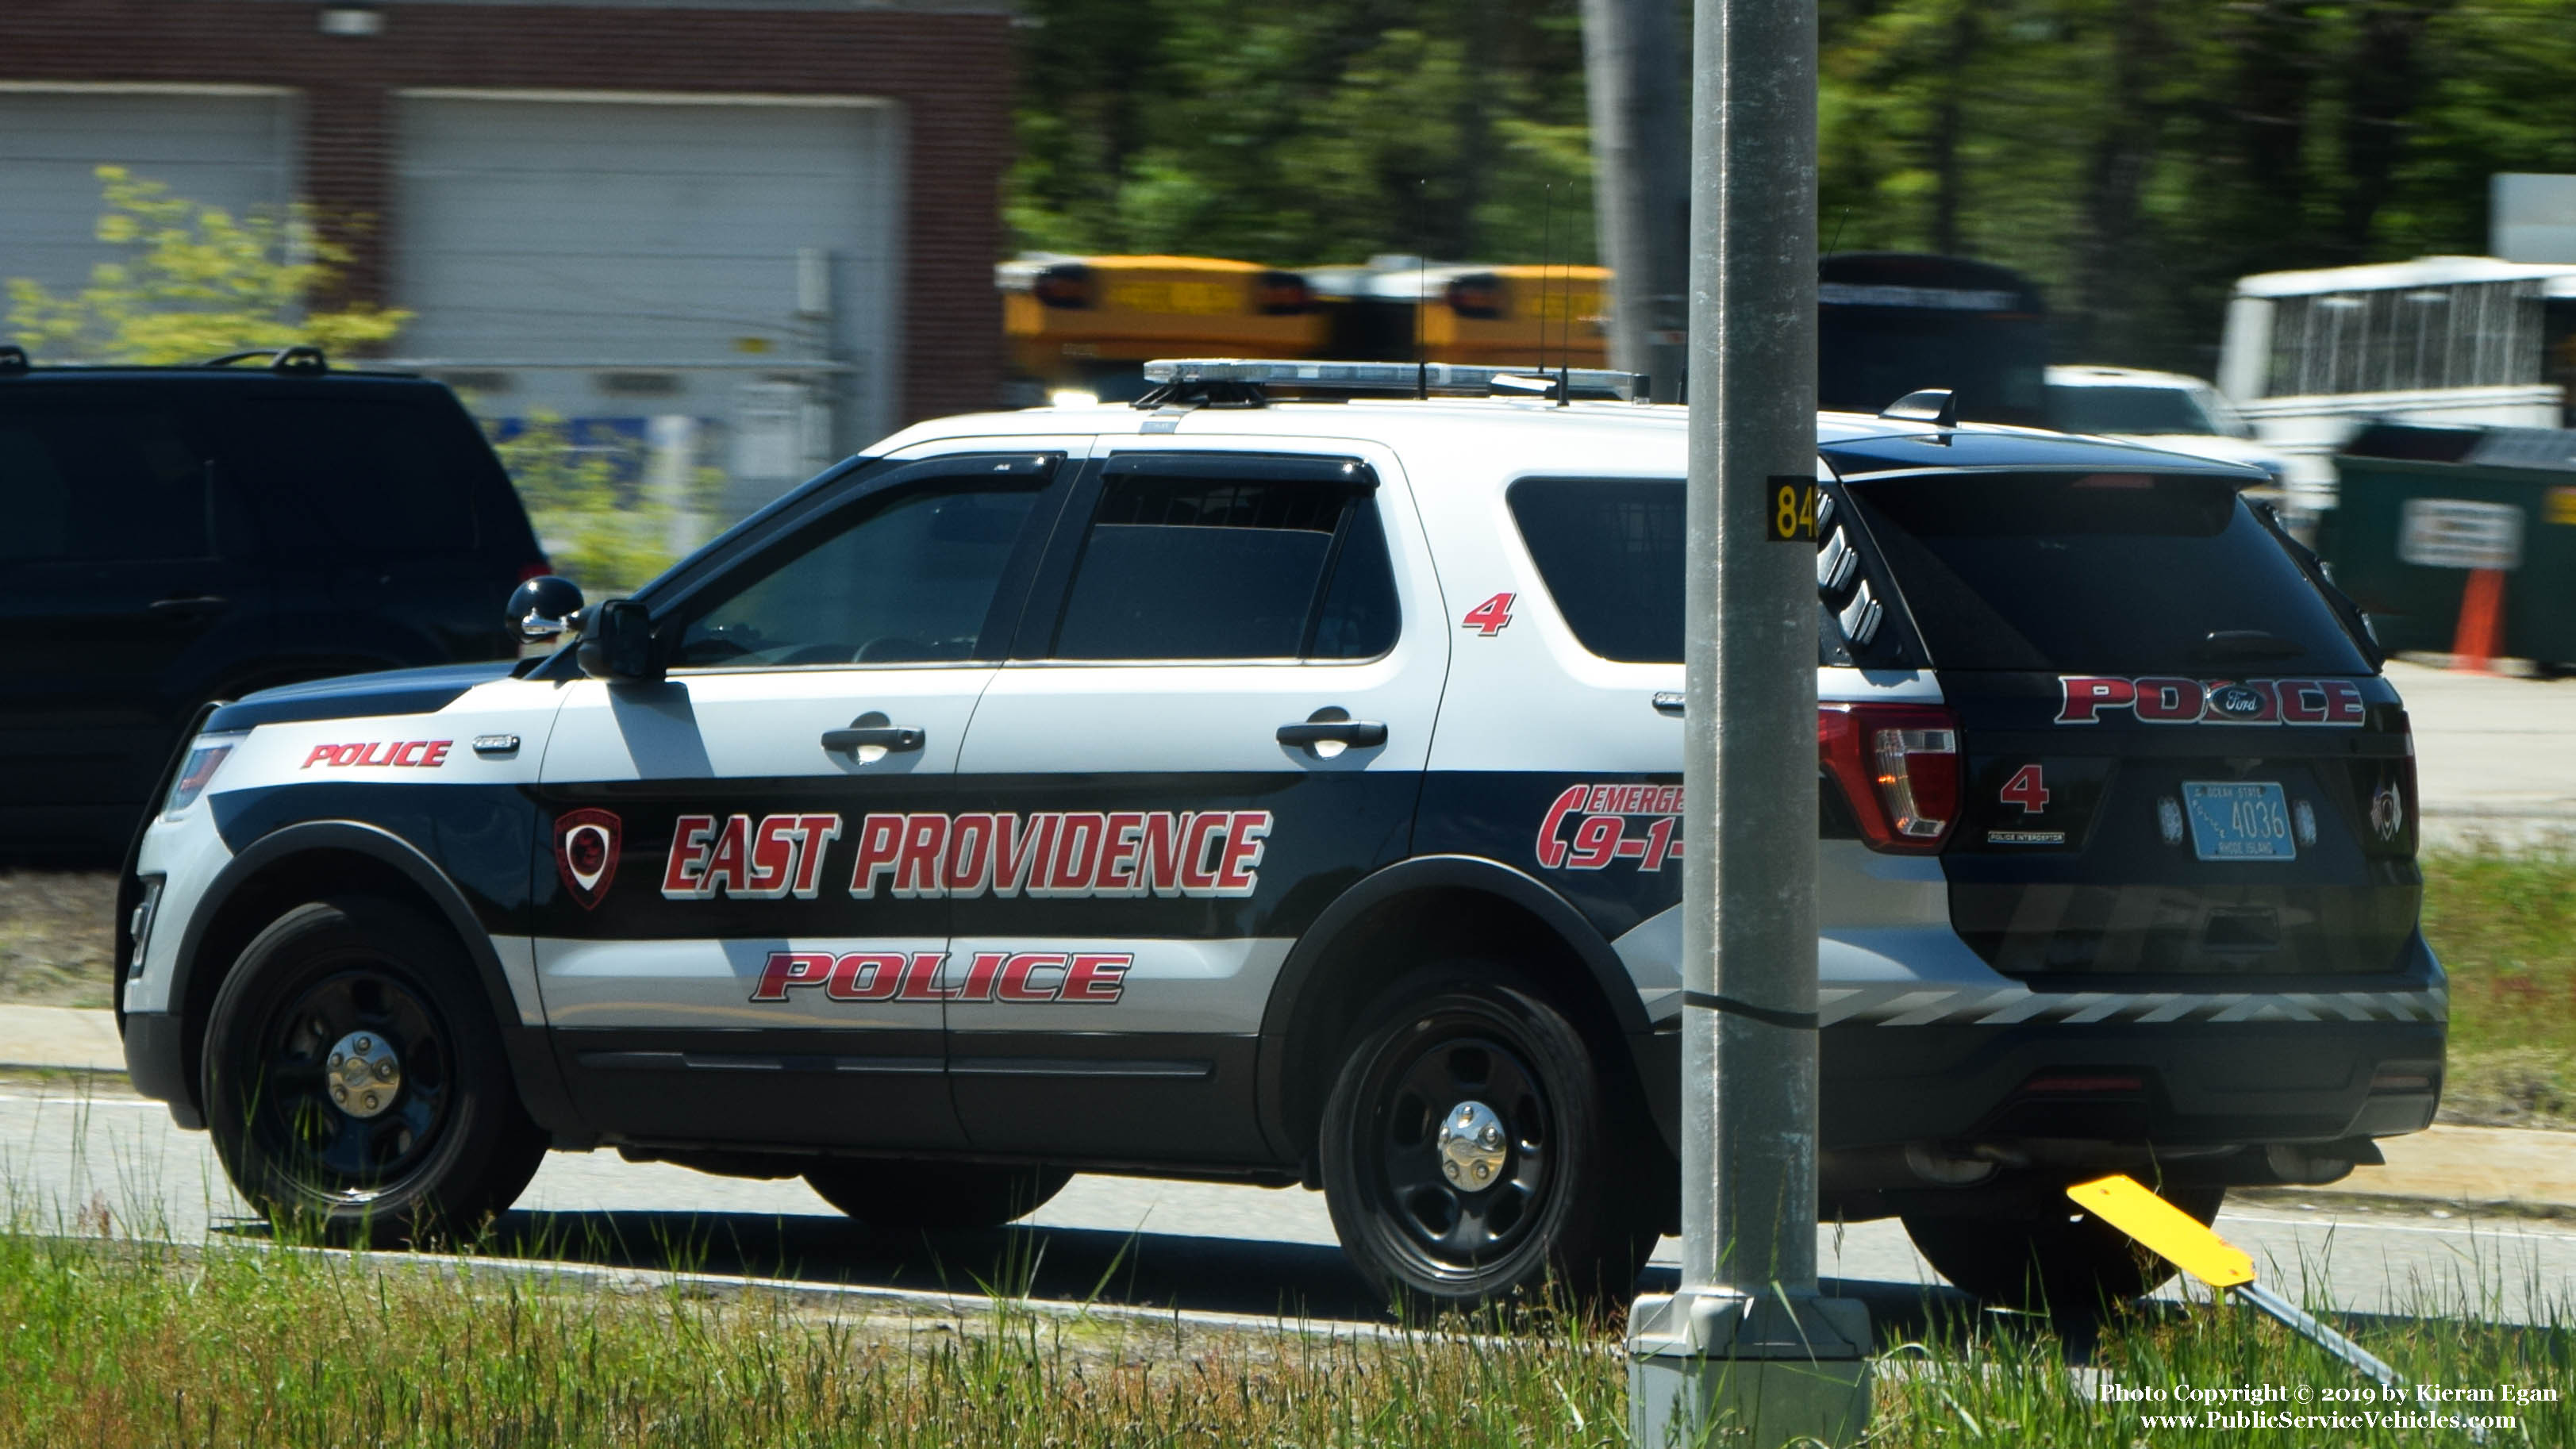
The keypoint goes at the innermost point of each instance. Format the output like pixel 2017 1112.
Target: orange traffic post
pixel 2481 628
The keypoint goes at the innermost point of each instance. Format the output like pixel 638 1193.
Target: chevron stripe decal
pixel 1913 1004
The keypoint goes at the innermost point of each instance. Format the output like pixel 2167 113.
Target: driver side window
pixel 909 580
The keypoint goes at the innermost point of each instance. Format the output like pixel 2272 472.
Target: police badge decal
pixel 586 852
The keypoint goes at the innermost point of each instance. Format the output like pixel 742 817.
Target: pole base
pixel 1726 1368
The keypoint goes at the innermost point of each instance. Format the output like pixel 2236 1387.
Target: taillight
pixel 535 570
pixel 2414 822
pixel 1066 284
pixel 1282 294
pixel 1898 765
pixel 2386 799
pixel 1479 295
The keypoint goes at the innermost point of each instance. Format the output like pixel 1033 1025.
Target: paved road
pixel 64 1157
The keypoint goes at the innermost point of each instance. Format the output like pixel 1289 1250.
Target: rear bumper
pixel 2194 1085
pixel 157 1062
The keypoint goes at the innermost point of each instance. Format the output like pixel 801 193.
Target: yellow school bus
pixel 1084 323
pixel 1509 316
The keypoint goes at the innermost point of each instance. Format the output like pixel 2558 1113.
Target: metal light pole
pixel 1747 1344
pixel 1641 182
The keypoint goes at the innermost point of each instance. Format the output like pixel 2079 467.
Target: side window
pixel 907 576
pixel 387 477
pixel 92 485
pixel 1359 617
pixel 1610 551
pixel 1224 565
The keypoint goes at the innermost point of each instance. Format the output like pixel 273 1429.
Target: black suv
pixel 172 535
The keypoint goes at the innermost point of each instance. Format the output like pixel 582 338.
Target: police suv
pixel 1286 791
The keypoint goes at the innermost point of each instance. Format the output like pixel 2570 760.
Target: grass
pixel 125 1343
pixel 2504 925
pixel 128 1344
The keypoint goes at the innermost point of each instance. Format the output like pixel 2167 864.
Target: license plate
pixel 2239 820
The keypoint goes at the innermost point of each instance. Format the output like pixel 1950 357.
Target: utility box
pixel 2422 506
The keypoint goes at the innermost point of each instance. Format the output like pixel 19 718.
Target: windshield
pixel 2117 410
pixel 2099 573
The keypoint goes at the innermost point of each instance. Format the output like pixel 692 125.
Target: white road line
pixel 2339 1223
pixel 76 1103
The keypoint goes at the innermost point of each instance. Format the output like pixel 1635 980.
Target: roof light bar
pixel 1450 378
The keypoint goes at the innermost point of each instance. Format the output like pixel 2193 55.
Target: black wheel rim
pixel 338 1158
pixel 1454 1231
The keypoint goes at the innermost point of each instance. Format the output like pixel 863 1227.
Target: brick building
pixel 776 218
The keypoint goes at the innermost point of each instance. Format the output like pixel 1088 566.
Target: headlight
pixel 205 756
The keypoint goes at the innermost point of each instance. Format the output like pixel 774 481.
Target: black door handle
pixel 873 728
pixel 1333 725
pixel 202 607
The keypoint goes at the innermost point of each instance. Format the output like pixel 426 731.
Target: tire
pixel 1561 1200
pixel 2066 1262
pixel 446 1148
pixel 917 1196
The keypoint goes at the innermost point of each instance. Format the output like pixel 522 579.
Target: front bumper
pixel 156 1059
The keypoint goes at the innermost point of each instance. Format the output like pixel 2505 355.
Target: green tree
pixel 194 281
pixel 2137 156
pixel 1318 133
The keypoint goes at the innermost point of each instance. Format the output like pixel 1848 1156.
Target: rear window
pixel 387 477
pixel 1611 553
pixel 1231 567
pixel 2098 572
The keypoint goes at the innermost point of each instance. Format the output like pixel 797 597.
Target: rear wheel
pixel 933 1196
pixel 2063 1260
pixel 1470 1150
pixel 354 1078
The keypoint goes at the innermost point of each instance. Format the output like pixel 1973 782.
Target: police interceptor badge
pixel 586 852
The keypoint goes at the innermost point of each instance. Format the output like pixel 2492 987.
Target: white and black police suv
pixel 1283 792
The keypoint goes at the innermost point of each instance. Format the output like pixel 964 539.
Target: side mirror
pixel 543 607
pixel 617 644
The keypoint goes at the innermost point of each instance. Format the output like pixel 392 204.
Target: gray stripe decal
pixel 1075 1067
pixel 751 1062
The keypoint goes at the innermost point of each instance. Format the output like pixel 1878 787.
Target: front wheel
pixel 1470 1150
pixel 354 1079
pixel 933 1196
pixel 2058 1259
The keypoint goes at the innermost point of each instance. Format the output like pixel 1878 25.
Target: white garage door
pixel 643 232
pixel 233 148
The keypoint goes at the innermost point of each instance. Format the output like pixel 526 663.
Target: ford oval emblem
pixel 2236 699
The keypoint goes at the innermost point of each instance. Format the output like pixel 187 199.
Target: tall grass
pixel 134 1344
pixel 122 1343
pixel 2504 925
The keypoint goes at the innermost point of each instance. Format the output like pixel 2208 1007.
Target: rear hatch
pixel 2174 753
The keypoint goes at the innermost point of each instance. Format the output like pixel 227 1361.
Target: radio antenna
pixel 1546 248
pixel 1564 337
pixel 1421 286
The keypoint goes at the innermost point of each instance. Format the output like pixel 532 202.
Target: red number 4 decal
pixel 1489 617
pixel 2026 789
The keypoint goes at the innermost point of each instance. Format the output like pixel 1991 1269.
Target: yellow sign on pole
pixel 2186 1243
pixel 2175 1235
